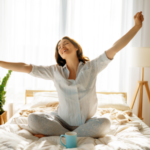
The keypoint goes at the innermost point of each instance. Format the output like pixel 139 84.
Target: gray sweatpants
pixel 53 125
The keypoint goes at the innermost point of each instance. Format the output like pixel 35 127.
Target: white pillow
pixel 116 101
pixel 43 98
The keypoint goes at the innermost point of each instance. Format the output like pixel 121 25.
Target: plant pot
pixel 3 118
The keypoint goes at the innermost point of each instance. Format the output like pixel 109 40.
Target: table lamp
pixel 140 57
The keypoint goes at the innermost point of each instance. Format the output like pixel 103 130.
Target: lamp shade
pixel 139 57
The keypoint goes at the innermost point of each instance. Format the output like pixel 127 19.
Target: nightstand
pixel 3 118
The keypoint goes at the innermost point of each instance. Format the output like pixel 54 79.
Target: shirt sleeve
pixel 44 72
pixel 100 62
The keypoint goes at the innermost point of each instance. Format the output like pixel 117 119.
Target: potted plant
pixel 3 83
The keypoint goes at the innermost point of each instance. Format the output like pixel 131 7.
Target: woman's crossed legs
pixel 52 125
pixel 94 127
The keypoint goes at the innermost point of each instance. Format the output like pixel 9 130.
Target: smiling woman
pixel 76 93
pixel 72 47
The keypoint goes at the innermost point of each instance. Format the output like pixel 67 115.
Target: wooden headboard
pixel 29 93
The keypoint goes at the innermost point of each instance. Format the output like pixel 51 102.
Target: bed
pixel 127 131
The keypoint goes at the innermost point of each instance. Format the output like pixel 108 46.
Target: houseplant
pixel 3 83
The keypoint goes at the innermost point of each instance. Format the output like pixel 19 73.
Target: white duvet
pixel 126 133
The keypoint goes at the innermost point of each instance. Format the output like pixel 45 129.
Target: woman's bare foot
pixel 39 135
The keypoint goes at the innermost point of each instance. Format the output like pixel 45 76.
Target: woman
pixel 74 77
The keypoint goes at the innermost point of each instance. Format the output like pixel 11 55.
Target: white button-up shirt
pixel 77 98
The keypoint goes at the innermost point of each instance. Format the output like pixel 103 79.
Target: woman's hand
pixel 138 18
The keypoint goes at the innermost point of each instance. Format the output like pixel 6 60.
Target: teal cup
pixel 71 139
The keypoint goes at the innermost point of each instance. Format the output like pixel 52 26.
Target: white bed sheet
pixel 120 137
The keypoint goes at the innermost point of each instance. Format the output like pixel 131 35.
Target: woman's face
pixel 66 49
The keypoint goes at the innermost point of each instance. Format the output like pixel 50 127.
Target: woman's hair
pixel 61 62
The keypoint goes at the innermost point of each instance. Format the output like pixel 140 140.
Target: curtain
pixel 30 29
pixel 141 39
pixel 96 25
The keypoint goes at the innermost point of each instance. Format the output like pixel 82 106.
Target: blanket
pixel 120 116
pixel 48 108
pixel 125 133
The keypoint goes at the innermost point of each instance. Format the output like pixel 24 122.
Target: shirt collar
pixel 79 64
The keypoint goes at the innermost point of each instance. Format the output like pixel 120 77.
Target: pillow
pixel 116 101
pixel 43 98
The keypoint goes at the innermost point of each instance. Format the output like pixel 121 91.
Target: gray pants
pixel 53 125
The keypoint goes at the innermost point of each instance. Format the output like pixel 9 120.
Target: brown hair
pixel 81 57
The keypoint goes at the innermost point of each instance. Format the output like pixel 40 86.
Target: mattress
pixel 130 135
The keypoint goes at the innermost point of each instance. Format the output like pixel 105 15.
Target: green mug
pixel 71 139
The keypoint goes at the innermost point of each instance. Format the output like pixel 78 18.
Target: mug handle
pixel 61 141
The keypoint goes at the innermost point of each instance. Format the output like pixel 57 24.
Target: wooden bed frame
pixel 29 93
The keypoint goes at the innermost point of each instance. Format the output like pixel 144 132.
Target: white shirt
pixel 77 98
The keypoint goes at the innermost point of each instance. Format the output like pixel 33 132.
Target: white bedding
pixel 134 134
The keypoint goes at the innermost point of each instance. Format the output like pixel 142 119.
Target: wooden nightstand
pixel 3 118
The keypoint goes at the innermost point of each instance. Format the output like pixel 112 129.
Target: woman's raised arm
pixel 18 67
pixel 123 41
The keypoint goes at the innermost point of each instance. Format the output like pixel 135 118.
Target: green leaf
pixel 2 91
